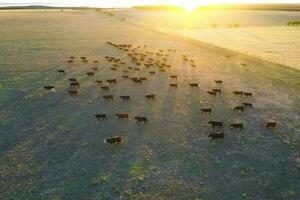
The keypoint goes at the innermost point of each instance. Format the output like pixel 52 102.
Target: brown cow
pixel 248 94
pixel 173 85
pixel 217 90
pixel 150 96
pixel 206 110
pixel 271 125
pixel 90 73
pixel 215 124
pixel 215 136
pixel 236 125
pixel 49 87
pixel 248 104
pixel 173 76
pixel 124 76
pixel 113 140
pixel 238 93
pixel 110 81
pixel 213 93
pixel 94 68
pixel 104 87
pixel 61 71
pixel 141 119
pixel 122 115
pixel 218 82
pixel 125 98
pixel 193 84
pixel 108 97
pixel 152 72
pixel 99 82
pixel 101 116
pixel 72 79
pixel 74 84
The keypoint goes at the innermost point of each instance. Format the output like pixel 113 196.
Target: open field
pixel 51 145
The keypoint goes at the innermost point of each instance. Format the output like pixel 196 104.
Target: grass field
pixel 51 145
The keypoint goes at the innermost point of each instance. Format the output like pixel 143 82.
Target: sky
pixel 128 3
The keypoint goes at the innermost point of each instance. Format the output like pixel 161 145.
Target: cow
pixel 75 84
pixel 239 108
pixel 215 136
pixel 99 82
pixel 122 115
pixel 101 116
pixel 94 68
pixel 143 78
pixel 113 140
pixel 212 93
pixel 237 125
pixel 113 68
pixel 70 61
pixel 49 87
pixel 240 93
pixel 72 79
pixel 72 57
pixel 141 119
pixel 108 97
pixel 150 96
pixel 217 90
pixel 215 124
pixel 271 125
pixel 90 73
pixel 218 82
pixel 206 110
pixel 173 76
pixel 139 81
pixel 61 71
pixel 248 94
pixel 124 76
pixel 83 58
pixel 173 85
pixel 104 87
pixel 110 81
pixel 125 98
pixel 193 84
pixel 152 72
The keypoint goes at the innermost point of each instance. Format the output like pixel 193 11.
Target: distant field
pixel 52 146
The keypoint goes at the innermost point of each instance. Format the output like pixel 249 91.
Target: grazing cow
pixel 104 87
pixel 70 61
pixel 72 79
pixel 90 73
pixel 108 97
pixel 162 70
pixel 137 69
pixel 73 92
pixel 95 61
pixel 94 68
pixel 113 140
pixel 82 58
pixel 236 125
pixel 248 94
pixel 173 85
pixel 215 136
pixel 125 71
pixel 122 115
pixel 271 125
pixel 152 72
pixel 139 81
pixel 75 84
pixel 213 93
pixel 110 81
pixel 113 68
pixel 85 61
pixel 49 87
pixel 143 78
pixel 125 98
pixel 193 84
pixel 141 119
pixel 125 76
pixel 218 82
pixel 101 116
pixel 248 104
pixel 61 71
pixel 217 90
pixel 72 57
pixel 238 93
pixel 173 76
pixel 215 124
pixel 99 82
pixel 239 108
pixel 206 110
pixel 150 96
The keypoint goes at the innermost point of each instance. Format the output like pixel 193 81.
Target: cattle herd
pixel 153 62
